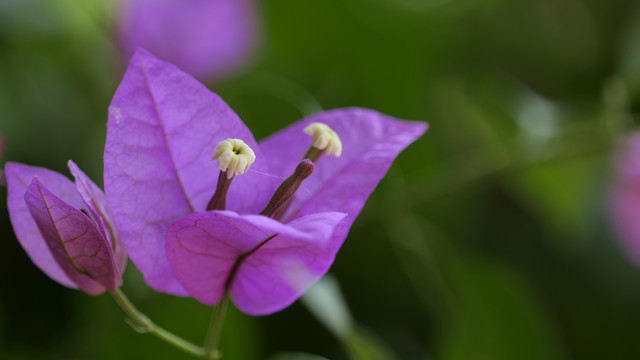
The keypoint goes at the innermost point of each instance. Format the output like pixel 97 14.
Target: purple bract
pixel 64 227
pixel 3 179
pixel 625 196
pixel 163 128
pixel 206 38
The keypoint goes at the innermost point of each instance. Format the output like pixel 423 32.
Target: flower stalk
pixel 144 324
pixel 215 330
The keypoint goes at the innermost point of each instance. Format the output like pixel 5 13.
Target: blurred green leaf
pixel 538 120
pixel 629 60
pixel 363 345
pixel 500 317
pixel 296 356
pixel 484 310
pixel 562 194
pixel 327 304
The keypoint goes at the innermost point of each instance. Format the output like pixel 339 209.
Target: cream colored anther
pixel 324 138
pixel 234 157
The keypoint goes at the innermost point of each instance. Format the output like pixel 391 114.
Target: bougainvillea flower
pixel 3 179
pixel 262 241
pixel 625 196
pixel 65 228
pixel 206 38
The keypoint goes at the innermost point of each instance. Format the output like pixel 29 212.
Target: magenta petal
pixel 162 130
pixel 94 200
pixel 204 249
pixel 73 239
pixel 371 141
pixel 206 38
pixel 19 177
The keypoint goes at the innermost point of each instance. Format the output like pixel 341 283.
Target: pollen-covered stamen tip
pixel 284 194
pixel 234 157
pixel 323 140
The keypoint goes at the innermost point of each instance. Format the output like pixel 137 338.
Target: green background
pixel 490 236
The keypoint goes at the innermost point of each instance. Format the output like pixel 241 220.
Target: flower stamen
pixel 323 140
pixel 234 158
pixel 219 199
pixel 284 194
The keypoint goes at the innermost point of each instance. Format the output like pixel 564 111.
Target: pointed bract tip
pixel 143 58
pixel 73 168
pixel 141 52
pixel 422 127
pixel 35 182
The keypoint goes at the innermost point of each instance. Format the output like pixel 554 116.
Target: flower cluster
pixel 262 223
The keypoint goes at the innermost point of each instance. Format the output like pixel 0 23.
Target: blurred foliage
pixel 488 239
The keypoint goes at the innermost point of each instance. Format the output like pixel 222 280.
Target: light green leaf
pixel 326 303
pixel 296 356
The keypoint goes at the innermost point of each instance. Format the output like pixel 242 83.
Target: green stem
pixel 215 330
pixel 142 323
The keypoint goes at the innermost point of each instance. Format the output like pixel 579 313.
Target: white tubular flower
pixel 324 138
pixel 234 157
